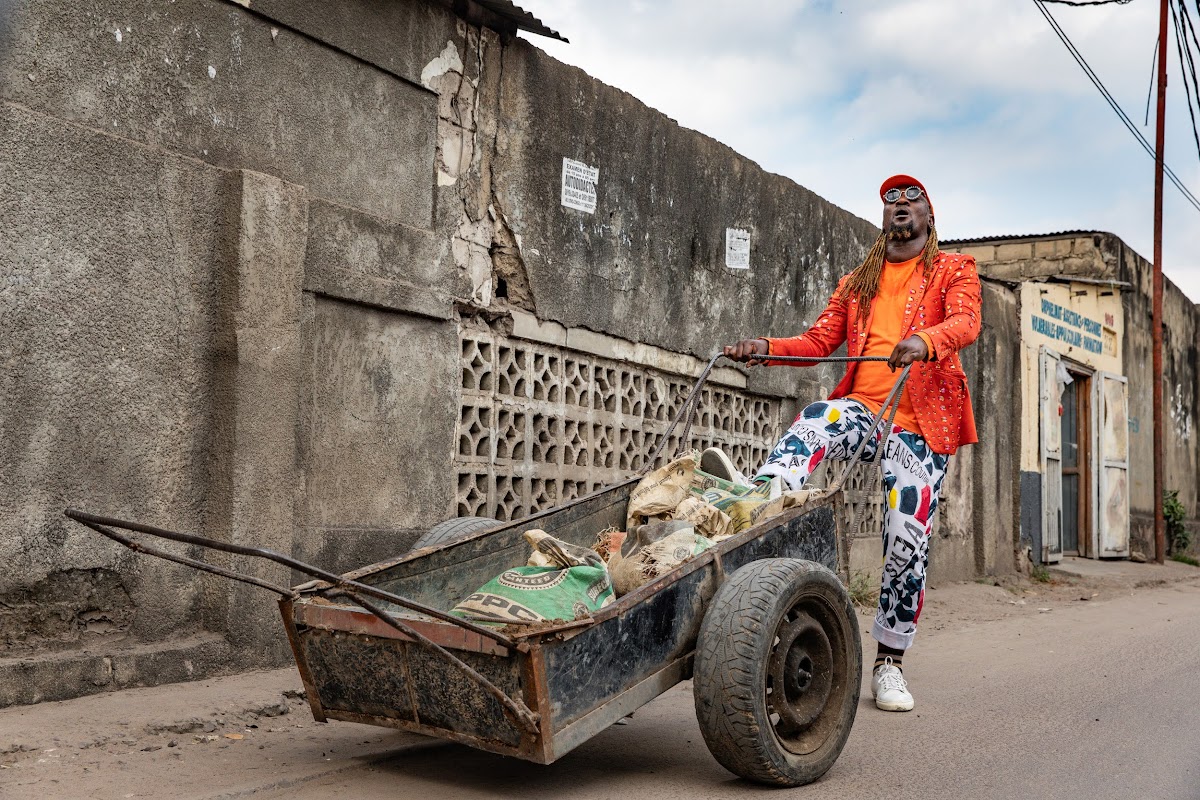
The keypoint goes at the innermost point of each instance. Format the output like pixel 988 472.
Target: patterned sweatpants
pixel 912 480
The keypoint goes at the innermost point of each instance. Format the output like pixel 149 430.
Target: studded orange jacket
pixel 945 306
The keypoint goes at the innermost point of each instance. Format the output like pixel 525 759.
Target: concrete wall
pixel 1181 397
pixel 245 252
pixel 1121 272
pixel 1084 254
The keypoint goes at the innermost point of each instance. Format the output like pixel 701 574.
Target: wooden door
pixel 1051 455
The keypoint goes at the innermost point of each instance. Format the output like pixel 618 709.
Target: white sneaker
pixel 716 463
pixel 889 688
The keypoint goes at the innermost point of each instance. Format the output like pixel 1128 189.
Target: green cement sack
pixel 538 594
pixel 562 582
pixel 742 504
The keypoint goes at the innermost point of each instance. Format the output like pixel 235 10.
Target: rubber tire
pixel 732 654
pixel 454 529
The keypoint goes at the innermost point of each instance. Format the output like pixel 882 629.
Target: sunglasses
pixel 912 193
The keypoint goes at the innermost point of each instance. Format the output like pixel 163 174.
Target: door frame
pixel 1085 460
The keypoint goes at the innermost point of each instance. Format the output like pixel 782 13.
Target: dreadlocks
pixel 863 283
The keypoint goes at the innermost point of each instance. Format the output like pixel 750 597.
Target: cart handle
pixel 341 587
pixel 890 406
pixel 691 405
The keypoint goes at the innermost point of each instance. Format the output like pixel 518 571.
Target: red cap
pixel 903 182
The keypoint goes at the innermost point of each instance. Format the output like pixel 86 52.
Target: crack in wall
pixel 510 275
pixel 483 247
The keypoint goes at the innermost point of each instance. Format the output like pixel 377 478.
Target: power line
pixel 1185 64
pixel 1128 123
pixel 1153 74
pixel 1188 26
pixel 1087 2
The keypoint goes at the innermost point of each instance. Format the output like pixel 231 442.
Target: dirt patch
pixel 954 605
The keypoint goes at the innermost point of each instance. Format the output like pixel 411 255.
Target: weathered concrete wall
pixel 1084 254
pixel 1181 397
pixel 377 428
pixel 207 79
pixel 112 266
pixel 174 199
pixel 248 255
pixel 655 245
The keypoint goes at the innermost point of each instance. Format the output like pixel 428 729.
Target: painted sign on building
pixel 1082 322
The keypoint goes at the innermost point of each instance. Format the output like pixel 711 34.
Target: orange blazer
pixel 945 306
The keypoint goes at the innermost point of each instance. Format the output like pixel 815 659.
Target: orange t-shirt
pixel 873 380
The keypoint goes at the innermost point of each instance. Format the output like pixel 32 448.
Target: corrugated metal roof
pixel 520 17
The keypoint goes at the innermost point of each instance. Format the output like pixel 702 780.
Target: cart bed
pixel 577 677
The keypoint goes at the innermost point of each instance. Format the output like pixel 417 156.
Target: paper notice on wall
pixel 579 185
pixel 737 248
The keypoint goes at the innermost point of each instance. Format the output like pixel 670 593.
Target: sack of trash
pixel 658 548
pixel 572 584
pixel 551 552
pixel 742 504
pixel 660 492
pixel 708 520
pixel 748 506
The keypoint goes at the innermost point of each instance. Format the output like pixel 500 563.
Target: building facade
pixel 316 277
pixel 1083 398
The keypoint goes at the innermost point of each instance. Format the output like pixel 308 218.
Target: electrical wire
pixel 1186 64
pixel 1087 2
pixel 1128 123
pixel 1153 77
pixel 1189 27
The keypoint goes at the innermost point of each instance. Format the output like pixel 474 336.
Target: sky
pixel 979 100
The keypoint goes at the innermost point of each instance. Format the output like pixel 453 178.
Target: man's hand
pixel 746 350
pixel 909 350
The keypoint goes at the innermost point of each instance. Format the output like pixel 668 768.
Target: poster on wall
pixel 579 185
pixel 737 248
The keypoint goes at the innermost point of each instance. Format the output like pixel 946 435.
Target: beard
pixel 900 231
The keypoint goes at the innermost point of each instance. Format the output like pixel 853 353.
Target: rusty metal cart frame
pixel 375 645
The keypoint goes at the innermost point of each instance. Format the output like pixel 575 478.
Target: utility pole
pixel 1160 525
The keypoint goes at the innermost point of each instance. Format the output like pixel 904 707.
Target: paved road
pixel 1089 700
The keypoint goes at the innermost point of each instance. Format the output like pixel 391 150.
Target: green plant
pixel 864 590
pixel 1040 574
pixel 1185 559
pixel 1179 538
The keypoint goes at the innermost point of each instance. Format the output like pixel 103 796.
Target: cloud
pixel 981 99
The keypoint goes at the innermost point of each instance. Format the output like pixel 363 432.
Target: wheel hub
pixel 801 672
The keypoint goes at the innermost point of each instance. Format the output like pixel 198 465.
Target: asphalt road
pixel 1088 700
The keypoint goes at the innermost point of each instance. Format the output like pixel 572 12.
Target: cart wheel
pixel 776 679
pixel 454 529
